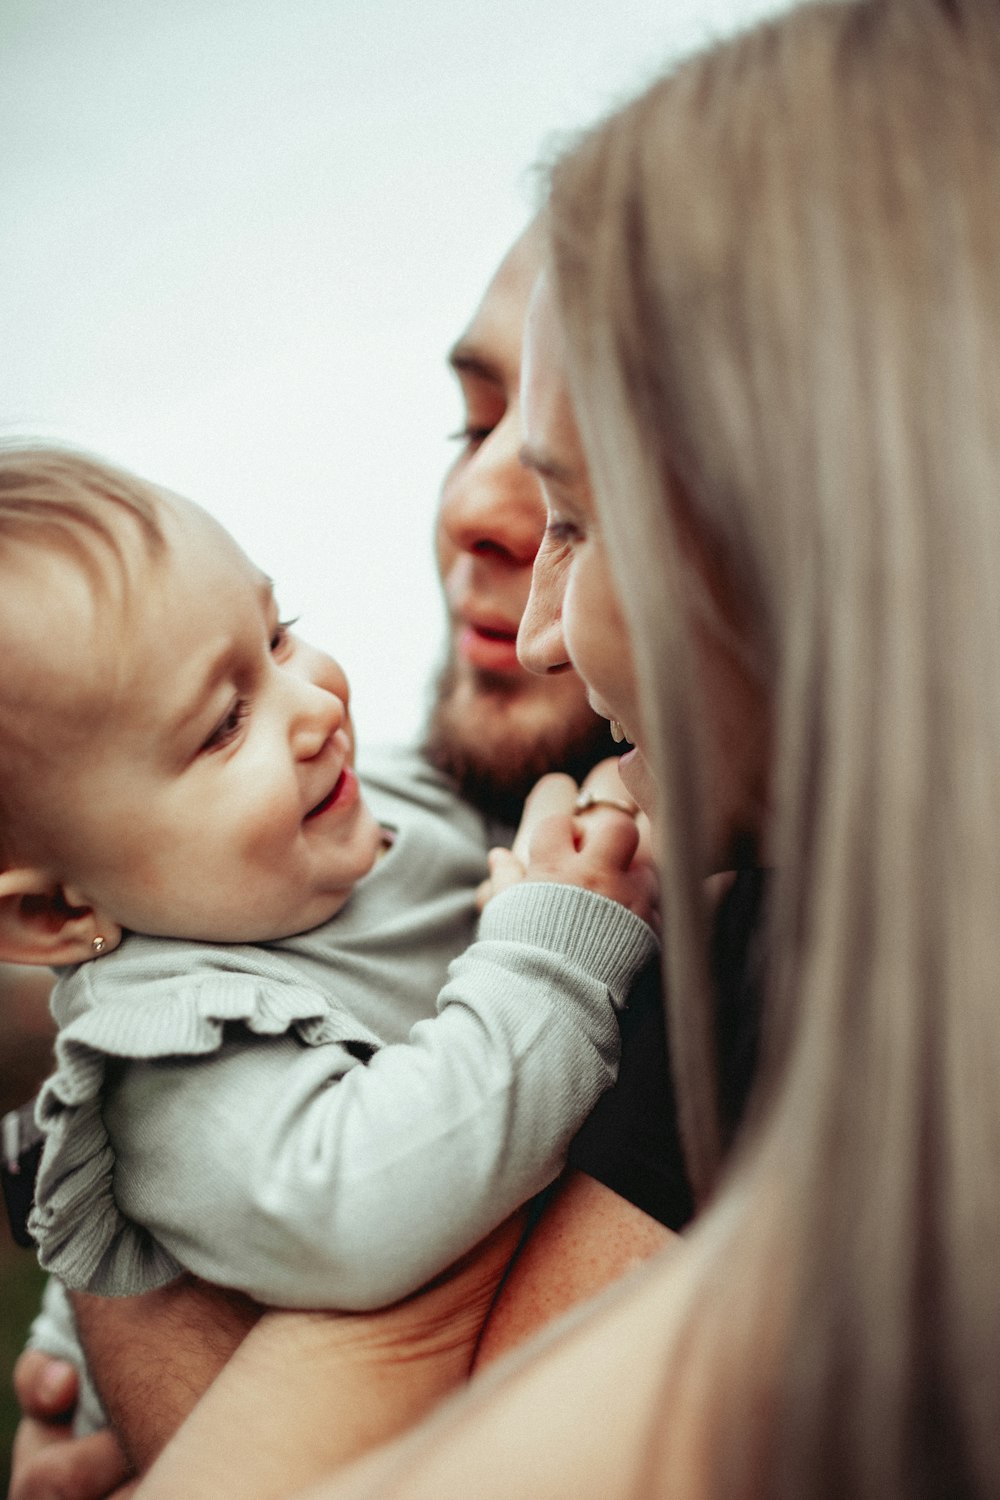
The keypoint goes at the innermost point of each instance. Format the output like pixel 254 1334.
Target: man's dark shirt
pixel 631 1142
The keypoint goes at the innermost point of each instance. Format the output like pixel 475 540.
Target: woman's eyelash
pixel 562 531
pixel 228 728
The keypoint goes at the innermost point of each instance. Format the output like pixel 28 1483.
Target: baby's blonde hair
pixel 54 496
pixel 57 499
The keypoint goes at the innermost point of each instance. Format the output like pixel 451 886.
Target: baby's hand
pixel 601 847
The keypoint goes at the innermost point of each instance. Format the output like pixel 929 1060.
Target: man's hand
pixel 308 1392
pixel 47 1461
pixel 152 1357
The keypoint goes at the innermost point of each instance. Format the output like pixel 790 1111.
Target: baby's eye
pixel 228 727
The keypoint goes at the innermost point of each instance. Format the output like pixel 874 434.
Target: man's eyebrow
pixel 545 465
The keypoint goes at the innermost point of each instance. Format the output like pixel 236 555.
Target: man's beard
pixel 476 736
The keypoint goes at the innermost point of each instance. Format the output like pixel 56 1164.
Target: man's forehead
pixel 490 347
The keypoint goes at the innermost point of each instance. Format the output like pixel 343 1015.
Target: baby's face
pixel 205 789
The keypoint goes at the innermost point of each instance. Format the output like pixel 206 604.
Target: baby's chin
pixel 370 843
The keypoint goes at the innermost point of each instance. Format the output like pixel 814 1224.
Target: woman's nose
pixel 540 644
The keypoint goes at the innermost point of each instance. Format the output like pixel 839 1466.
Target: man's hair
pixel 779 274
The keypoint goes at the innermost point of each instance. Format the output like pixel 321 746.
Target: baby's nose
pixel 320 715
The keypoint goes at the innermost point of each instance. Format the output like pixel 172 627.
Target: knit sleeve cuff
pixel 601 935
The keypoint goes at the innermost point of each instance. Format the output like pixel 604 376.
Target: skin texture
pixel 496 730
pixel 518 1437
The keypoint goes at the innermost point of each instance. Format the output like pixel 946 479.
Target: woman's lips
pixel 342 794
pixel 491 649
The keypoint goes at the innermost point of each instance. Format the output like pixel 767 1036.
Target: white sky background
pixel 237 237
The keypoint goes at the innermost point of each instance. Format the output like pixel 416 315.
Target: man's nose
pixel 492 507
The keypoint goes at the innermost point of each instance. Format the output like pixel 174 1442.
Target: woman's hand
pixel 591 835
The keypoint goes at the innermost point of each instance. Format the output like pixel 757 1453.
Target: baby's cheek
pixel 267 829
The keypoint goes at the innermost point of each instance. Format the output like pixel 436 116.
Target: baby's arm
pixel 306 1178
pixel 459 1344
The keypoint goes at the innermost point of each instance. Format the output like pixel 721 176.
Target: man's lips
pixel 492 647
pixel 343 793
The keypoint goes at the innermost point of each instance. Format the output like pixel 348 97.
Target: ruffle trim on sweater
pixel 82 1236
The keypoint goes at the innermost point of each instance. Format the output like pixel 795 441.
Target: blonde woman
pixel 770 332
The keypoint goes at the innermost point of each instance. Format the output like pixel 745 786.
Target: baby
pixel 276 1066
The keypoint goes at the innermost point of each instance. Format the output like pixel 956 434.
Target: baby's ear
pixel 41 922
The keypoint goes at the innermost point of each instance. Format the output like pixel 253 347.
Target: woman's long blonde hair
pixel 779 272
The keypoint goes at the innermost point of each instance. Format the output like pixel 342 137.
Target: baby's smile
pixel 334 795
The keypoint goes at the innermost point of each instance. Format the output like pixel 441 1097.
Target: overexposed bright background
pixel 238 236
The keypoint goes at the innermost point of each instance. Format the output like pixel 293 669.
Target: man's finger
pixel 45 1387
pixel 87 1468
pixel 31 1438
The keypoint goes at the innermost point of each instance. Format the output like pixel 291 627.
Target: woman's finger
pixel 609 834
pixel 553 838
pixel 605 781
pixel 555 793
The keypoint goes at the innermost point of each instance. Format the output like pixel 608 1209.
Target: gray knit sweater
pixel 332 1119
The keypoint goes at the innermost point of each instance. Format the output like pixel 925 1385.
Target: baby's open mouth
pixel 329 799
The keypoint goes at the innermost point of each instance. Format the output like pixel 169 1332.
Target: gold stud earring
pixel 98 945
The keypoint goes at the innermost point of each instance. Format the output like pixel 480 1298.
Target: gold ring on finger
pixel 587 799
